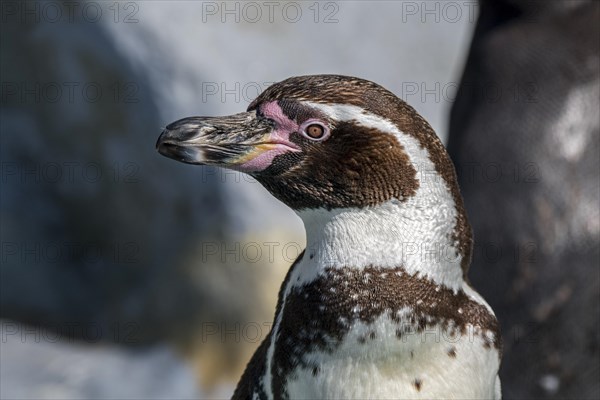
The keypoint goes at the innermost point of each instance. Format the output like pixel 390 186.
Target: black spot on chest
pixel 417 384
pixel 452 352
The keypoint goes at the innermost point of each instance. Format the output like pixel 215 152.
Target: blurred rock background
pixel 525 137
pixel 125 274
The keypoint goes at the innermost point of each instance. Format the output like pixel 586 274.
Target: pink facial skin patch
pixel 277 143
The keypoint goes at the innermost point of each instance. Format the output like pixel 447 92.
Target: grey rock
pixel 524 135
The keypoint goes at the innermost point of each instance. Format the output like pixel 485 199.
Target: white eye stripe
pixel 347 112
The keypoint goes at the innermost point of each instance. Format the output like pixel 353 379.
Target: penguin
pixel 378 305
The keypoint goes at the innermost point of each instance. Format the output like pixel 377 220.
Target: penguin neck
pixel 409 234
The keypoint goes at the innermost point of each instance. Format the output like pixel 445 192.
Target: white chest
pixel 424 365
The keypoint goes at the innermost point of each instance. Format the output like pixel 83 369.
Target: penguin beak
pixel 242 141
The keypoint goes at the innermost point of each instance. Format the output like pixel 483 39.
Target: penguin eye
pixel 315 131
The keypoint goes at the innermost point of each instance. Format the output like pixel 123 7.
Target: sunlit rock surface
pixel 40 365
